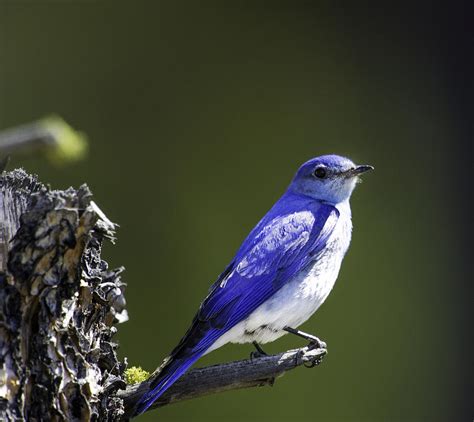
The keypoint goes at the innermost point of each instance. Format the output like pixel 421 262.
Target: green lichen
pixel 135 375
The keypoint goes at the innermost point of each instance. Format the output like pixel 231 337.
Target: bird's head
pixel 329 178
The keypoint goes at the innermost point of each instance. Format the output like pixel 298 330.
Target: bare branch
pixel 214 379
pixel 50 135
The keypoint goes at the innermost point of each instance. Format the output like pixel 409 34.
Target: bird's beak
pixel 358 170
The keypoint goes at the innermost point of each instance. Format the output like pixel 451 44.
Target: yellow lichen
pixel 135 374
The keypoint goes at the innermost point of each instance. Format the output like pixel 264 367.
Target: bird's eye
pixel 320 172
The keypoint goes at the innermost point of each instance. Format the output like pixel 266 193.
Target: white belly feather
pixel 295 302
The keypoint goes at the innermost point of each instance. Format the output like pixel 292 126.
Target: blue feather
pixel 287 239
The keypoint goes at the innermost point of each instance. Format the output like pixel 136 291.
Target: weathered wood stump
pixel 58 305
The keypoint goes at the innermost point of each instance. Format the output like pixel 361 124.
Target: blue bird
pixel 281 274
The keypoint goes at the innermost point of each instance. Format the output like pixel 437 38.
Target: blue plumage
pixel 277 249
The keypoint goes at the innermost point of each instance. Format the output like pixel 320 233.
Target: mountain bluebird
pixel 281 274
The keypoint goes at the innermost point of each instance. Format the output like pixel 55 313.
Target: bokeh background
pixel 198 114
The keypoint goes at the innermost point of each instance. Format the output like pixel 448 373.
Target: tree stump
pixel 59 304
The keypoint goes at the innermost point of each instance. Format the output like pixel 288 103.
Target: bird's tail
pixel 169 372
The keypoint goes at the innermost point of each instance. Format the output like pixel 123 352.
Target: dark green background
pixel 199 114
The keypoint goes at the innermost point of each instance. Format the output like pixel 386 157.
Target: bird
pixel 280 275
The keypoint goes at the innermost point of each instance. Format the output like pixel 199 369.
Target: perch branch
pixel 247 373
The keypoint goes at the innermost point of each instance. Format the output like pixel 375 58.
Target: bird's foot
pixel 258 353
pixel 316 343
pixel 317 361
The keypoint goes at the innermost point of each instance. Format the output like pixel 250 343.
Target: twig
pixel 247 373
pixel 51 135
pixel 27 136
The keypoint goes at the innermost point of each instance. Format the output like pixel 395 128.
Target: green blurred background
pixel 198 114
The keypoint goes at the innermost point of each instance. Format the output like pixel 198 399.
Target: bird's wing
pixel 277 249
pixel 282 244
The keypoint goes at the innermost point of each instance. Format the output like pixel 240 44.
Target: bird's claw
pixel 316 343
pixel 257 355
pixel 313 363
pixel 318 359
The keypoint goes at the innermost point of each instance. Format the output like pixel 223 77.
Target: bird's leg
pixel 258 353
pixel 259 349
pixel 313 340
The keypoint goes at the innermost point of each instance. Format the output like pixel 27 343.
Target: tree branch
pixel 235 375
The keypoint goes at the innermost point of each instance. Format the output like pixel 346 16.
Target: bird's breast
pixel 299 298
pixel 306 292
pixel 316 281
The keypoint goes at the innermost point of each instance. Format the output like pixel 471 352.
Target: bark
pixel 58 305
